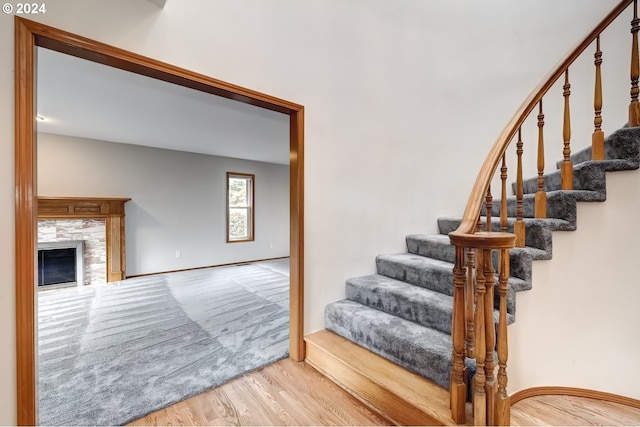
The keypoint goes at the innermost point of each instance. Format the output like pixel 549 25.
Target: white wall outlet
pixel 178 254
pixel 270 245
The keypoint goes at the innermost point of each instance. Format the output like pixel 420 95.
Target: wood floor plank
pixel 284 393
pixel 293 393
pixel 572 411
pixel 311 382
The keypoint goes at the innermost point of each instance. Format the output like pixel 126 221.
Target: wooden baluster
pixel 489 203
pixel 458 386
pixel 634 107
pixel 480 316
pixel 518 227
pixel 503 404
pixel 470 335
pixel 503 205
pixel 567 166
pixel 597 139
pixel 490 335
pixel 541 196
pixel 479 380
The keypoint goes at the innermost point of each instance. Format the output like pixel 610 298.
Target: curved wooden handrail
pixel 485 240
pixel 476 199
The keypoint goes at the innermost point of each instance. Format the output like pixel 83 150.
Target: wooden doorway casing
pixel 29 35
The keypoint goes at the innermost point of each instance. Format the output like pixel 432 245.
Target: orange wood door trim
pixel 25 223
pixel 28 35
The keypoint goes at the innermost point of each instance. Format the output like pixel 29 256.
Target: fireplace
pixel 106 210
pixel 60 264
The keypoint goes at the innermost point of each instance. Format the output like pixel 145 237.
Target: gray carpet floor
pixel 109 354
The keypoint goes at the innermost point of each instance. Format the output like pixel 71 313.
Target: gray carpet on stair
pixel 109 354
pixel 422 350
pixel 419 305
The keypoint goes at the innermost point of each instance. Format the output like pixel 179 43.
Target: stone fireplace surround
pixel 81 218
pixel 92 232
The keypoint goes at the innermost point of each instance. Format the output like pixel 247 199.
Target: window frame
pixel 251 179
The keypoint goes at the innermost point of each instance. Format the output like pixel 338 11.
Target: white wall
pixel 178 200
pixel 578 326
pixel 396 93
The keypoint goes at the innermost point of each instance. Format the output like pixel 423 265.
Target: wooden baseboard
pixel 206 266
pixel 388 389
pixel 576 392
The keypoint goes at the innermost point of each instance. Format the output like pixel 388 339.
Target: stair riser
pixel 559 205
pixel 537 235
pixel 434 314
pixel 622 144
pixel 438 250
pixel 432 360
pixel 431 248
pixel 436 279
pixel 397 394
pixel 520 264
pixel 585 177
pixel 405 305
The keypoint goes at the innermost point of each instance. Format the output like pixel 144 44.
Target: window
pixel 240 207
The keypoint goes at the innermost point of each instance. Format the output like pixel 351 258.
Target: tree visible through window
pixel 240 207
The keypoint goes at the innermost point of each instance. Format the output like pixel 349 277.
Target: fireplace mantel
pixel 110 209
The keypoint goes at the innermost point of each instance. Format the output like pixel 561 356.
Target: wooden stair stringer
pixel 395 393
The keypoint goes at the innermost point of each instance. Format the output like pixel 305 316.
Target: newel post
pixel 490 400
pixel 458 386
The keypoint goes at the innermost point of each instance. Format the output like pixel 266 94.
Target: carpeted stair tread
pixel 539 232
pixel 561 204
pixel 622 152
pixel 419 305
pixel 423 306
pixel 586 176
pixel 417 270
pixel 436 246
pixel 434 274
pixel 419 349
pixel 521 264
pixel 439 247
pixel 448 224
pixel 623 144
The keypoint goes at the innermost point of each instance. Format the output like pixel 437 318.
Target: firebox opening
pixel 60 264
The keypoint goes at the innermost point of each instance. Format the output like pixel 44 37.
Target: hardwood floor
pixel 292 393
pixel 572 411
pixel 284 393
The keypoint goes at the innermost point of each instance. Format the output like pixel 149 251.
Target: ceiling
pixel 85 99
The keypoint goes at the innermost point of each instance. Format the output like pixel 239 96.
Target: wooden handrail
pixel 487 171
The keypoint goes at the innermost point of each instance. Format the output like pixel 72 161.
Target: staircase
pixel 403 312
pixel 426 312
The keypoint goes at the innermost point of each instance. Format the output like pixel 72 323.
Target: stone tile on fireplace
pixel 92 232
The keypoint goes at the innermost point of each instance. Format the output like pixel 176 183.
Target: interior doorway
pixel 30 35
